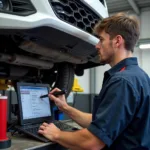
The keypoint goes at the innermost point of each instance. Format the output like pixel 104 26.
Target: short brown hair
pixel 120 24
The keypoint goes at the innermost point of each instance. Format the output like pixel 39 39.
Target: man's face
pixel 105 48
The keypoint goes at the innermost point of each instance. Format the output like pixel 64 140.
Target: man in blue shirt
pixel 121 112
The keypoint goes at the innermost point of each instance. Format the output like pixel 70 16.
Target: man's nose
pixel 98 46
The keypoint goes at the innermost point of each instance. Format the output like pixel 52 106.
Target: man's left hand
pixel 50 131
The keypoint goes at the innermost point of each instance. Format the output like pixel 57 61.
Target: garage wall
pixel 145 24
pixel 146 61
pixel 145 33
pixel 99 76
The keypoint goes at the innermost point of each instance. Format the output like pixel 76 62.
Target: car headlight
pixel 5 5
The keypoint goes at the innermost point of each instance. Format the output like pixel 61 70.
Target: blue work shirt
pixel 121 112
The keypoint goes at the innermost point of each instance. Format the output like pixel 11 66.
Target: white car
pixel 48 41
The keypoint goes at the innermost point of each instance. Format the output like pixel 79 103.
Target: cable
pixel 12 125
pixel 12 133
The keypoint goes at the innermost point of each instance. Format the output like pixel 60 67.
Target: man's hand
pixel 82 118
pixel 50 131
pixel 78 140
pixel 60 101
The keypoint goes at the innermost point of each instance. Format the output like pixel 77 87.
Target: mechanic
pixel 121 112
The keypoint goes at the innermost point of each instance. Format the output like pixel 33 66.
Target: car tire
pixel 65 77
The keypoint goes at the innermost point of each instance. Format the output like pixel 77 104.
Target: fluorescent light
pixel 144 46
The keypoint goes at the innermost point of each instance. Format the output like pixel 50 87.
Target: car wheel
pixel 61 77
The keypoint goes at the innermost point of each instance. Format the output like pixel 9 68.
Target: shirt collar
pixel 121 64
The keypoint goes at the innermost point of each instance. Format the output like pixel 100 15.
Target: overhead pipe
pixel 134 6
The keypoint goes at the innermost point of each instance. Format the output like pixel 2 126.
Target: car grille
pixel 75 13
pixel 20 7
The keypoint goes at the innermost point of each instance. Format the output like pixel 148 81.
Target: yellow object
pixel 3 84
pixel 76 87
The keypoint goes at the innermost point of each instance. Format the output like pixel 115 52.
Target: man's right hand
pixel 82 118
pixel 59 101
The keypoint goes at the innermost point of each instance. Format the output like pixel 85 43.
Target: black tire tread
pixel 65 77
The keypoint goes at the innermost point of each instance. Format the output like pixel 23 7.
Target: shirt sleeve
pixel 115 110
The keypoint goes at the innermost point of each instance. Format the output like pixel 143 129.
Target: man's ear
pixel 118 41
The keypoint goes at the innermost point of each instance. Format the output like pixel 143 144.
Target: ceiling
pixel 127 5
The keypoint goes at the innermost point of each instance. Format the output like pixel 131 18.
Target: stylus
pixel 55 93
